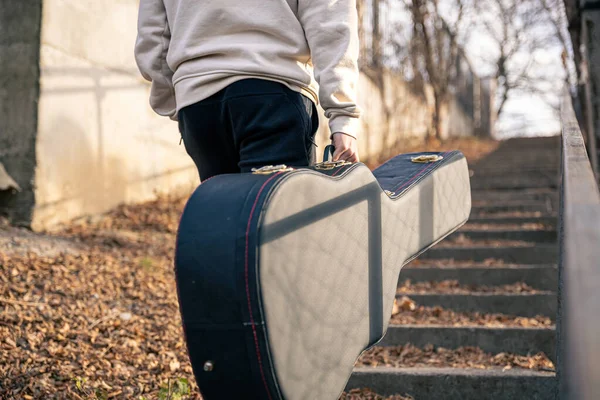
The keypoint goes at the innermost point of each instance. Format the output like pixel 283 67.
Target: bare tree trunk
pixel 435 35
pixel 559 23
pixel 441 115
pixel 419 18
pixel 574 26
pixel 360 9
pixel 437 118
pixel 502 102
pixel 376 37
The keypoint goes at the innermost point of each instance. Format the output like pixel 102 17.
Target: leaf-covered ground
pixel 99 314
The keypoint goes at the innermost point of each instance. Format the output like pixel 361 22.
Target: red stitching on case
pixel 246 262
pixel 339 170
pixel 262 373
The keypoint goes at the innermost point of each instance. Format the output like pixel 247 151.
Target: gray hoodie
pixel 191 49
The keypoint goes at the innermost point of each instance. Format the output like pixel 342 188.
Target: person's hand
pixel 346 148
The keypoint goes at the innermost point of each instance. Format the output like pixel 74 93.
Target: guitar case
pixel 285 276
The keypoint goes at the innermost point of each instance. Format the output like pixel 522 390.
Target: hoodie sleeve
pixel 151 49
pixel 331 29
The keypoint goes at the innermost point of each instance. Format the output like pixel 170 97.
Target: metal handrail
pixel 578 321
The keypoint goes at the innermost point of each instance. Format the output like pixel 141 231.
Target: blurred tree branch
pixel 520 29
pixel 435 46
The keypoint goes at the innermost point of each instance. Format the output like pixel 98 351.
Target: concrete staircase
pixel 510 238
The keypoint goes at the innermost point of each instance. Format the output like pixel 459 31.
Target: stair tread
pixel 479 294
pixel 444 371
pixel 472 327
pixel 483 267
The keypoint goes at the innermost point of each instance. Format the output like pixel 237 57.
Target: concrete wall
pixel 393 112
pixel 19 75
pixel 389 115
pixel 99 143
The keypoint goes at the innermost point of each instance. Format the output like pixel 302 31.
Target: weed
pixel 80 386
pixel 176 391
pixel 147 264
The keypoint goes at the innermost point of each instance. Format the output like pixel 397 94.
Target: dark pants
pixel 249 124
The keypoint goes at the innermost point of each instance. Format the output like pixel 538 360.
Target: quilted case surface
pixel 285 277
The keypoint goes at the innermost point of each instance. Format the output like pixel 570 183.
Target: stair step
pixel 550 200
pixel 551 220
pixel 518 201
pixel 523 304
pixel 490 339
pixel 508 234
pixel 542 277
pixel 514 201
pixel 456 383
pixel 512 198
pixel 541 170
pixel 538 254
pixel 504 183
pixel 550 175
pixel 540 207
pixel 514 195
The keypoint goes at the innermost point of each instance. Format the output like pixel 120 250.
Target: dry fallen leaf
pixel 174 365
pixel 406 304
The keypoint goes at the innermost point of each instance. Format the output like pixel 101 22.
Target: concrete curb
pixel 456 384
pixel 542 277
pixel 524 305
pixel 489 339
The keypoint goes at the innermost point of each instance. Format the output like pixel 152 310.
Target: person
pixel 242 78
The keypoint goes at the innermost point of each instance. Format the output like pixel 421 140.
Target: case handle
pixel 328 156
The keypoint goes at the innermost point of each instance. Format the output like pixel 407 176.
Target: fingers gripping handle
pixel 328 163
